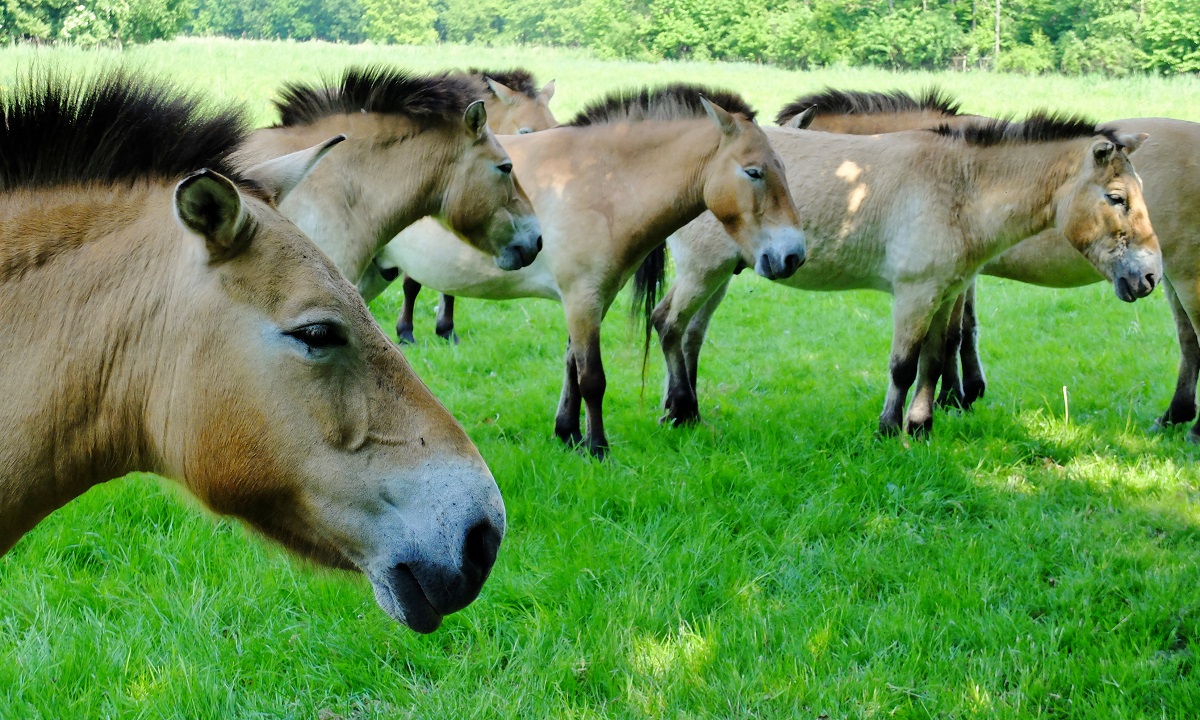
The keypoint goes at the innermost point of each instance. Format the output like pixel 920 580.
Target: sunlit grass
pixel 777 561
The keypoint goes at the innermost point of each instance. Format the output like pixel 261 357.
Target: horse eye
pixel 754 173
pixel 505 167
pixel 524 131
pixel 319 335
pixel 1115 199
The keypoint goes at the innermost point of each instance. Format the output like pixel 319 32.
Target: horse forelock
pixel 832 101
pixel 441 99
pixel 1041 126
pixel 518 79
pixel 678 101
pixel 116 129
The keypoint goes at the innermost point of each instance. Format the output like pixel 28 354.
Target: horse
pixel 1171 189
pixel 850 112
pixel 916 214
pixel 415 146
pixel 161 315
pixel 609 187
pixel 515 107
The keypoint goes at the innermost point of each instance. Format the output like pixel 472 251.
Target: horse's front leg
pixel 1183 404
pixel 404 326
pixel 974 382
pixel 929 369
pixel 952 389
pixel 911 315
pixel 566 420
pixel 445 319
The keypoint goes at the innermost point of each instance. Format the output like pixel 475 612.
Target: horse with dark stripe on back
pixel 161 315
pixel 609 187
pixel 917 214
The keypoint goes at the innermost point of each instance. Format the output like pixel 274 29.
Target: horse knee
pixel 904 369
pixel 592 383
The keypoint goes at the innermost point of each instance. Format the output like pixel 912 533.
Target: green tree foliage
pixel 1072 36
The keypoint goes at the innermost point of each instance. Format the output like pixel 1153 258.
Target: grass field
pixel 777 561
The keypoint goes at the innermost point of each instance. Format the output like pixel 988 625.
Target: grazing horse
pixel 916 214
pixel 415 146
pixel 515 107
pixel 609 188
pixel 161 315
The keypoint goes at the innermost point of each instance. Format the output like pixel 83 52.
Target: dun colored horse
pixel 515 107
pixel 916 214
pixel 608 189
pixel 415 146
pixel 1171 188
pixel 161 315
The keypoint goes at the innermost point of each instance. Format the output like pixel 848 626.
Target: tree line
pixel 1031 36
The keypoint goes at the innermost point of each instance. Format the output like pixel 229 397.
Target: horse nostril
pixel 479 551
pixel 1151 280
pixel 539 243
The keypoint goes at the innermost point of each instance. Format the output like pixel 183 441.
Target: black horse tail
pixel 648 282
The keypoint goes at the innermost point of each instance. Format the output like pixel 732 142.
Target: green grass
pixel 777 561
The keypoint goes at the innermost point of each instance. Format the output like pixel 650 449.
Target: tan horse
pixel 916 214
pixel 1171 188
pixel 160 315
pixel 515 107
pixel 609 188
pixel 416 146
pixel 870 113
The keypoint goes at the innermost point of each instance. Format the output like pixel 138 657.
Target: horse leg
pixel 583 323
pixel 911 316
pixel 673 320
pixel 566 420
pixel 445 319
pixel 404 326
pixel 697 330
pixel 929 369
pixel 974 382
pixel 1183 404
pixel 952 390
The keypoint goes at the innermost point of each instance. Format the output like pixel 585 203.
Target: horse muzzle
pixel 524 247
pixel 1138 276
pixel 782 255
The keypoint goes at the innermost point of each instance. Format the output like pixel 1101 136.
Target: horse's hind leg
pixel 952 389
pixel 929 369
pixel 697 331
pixel 673 320
pixel 973 381
pixel 404 326
pixel 445 319
pixel 1183 404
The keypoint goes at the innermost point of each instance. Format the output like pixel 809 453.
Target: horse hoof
pixel 598 451
pixel 449 336
pixel 570 438
pixel 920 430
pixel 952 400
pixel 405 337
pixel 888 428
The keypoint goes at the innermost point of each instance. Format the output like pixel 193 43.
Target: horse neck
pixel 649 176
pixel 386 175
pixel 1015 189
pixel 83 292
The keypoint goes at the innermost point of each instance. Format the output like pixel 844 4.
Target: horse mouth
pixel 401 596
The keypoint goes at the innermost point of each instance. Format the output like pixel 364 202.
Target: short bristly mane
pixel 518 79
pixel 851 102
pixel 671 102
pixel 118 128
pixel 437 99
pixel 1041 126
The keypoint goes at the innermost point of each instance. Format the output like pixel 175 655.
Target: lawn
pixel 777 561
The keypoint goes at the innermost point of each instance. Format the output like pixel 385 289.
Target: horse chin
pixel 400 596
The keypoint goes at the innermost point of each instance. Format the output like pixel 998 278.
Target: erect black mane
pixel 117 128
pixel 670 102
pixel 518 79
pixel 1040 126
pixel 378 89
pixel 852 102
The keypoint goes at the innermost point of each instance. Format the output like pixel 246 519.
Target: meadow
pixel 1037 557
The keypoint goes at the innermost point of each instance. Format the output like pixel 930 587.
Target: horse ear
pixel 1102 151
pixel 209 204
pixel 1133 141
pixel 723 120
pixel 476 120
pixel 279 176
pixel 507 95
pixel 547 91
pixel 802 120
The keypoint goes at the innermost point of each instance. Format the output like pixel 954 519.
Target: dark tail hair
pixel 648 281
